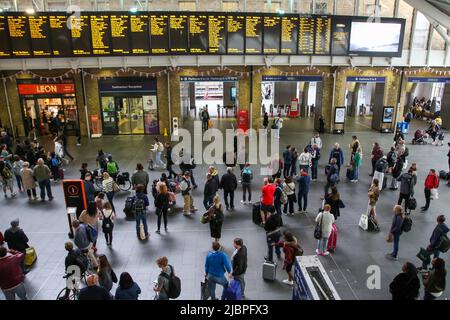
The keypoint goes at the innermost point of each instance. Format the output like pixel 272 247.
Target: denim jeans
pixel 141 217
pixel 19 291
pixel 158 160
pixel 322 245
pixel 286 169
pixel 207 202
pixel 270 241
pixel 304 167
pixel 396 243
pixel 44 185
pixel 110 196
pixel 212 281
pixel 19 182
pixel 356 173
pixel 302 196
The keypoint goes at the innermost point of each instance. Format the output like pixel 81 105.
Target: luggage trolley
pixel 311 281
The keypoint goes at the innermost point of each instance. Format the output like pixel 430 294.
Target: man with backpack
pixel 74 259
pixel 168 285
pixel 380 169
pixel 140 205
pixel 246 179
pixel 228 183
pixel 112 168
pixel 438 241
pixel 7 178
pixel 407 183
pixel 337 154
pixel 332 173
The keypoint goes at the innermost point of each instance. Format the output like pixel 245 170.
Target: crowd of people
pixel 288 185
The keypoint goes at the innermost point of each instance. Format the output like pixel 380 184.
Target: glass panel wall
pixel 405 11
pixel 420 32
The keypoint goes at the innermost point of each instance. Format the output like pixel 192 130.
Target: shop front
pixel 129 106
pixel 46 106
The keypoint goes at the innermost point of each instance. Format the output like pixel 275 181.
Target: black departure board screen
pixel 217 41
pixel 159 33
pixel 5 49
pixel 253 34
pixel 272 27
pixel 60 35
pixel 120 42
pixel 289 35
pixel 340 35
pixel 198 34
pixel 178 36
pixel 81 35
pixel 40 35
pixel 306 35
pixel 139 34
pixel 235 34
pixel 19 35
pixel 323 35
pixel 100 34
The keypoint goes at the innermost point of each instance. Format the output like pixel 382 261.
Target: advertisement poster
pixel 151 124
pixel 388 114
pixel 339 116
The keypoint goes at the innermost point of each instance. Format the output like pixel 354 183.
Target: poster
pixel 388 114
pixel 339 116
pixel 151 125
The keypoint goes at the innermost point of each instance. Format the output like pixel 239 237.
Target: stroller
pixel 419 137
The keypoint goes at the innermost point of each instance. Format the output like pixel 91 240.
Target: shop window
pixel 437 42
pixel 405 11
pixel 345 7
pixel 187 5
pixel 420 32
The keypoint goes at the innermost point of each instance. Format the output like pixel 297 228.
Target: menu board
pixel 235 34
pixel 306 35
pixel 289 35
pixel 340 35
pixel 198 34
pixel 253 34
pixel 322 35
pixel 139 34
pixel 217 34
pixel 178 33
pixel 272 27
pixel 5 49
pixel 120 43
pixel 40 35
pixel 100 31
pixel 60 35
pixel 19 35
pixel 159 33
pixel 81 35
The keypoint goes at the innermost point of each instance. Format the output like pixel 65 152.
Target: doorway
pixel 123 115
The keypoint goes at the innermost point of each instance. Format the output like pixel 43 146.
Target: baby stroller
pixel 419 137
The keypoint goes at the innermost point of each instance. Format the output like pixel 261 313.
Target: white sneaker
pixel 326 253
pixel 318 252
pixel 243 202
pixel 286 281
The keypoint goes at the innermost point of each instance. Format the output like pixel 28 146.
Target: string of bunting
pixel 230 71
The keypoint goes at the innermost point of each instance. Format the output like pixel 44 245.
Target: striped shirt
pixel 108 185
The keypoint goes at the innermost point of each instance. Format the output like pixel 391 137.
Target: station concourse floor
pixel 188 241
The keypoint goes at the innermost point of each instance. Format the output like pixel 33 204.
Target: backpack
pixel 54 162
pixel 174 284
pixel 412 204
pixel 82 262
pixel 298 251
pixel 246 175
pixel 7 174
pixel 107 223
pixel 138 205
pixel 407 224
pixel 111 167
pixel 283 197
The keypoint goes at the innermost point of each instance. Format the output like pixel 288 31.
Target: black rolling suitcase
pixel 128 209
pixel 350 174
pixel 256 213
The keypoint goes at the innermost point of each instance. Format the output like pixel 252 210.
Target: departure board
pixel 306 35
pixel 81 35
pixel 272 29
pixel 60 35
pixel 178 35
pixel 340 36
pixel 159 33
pixel 120 42
pixel 5 49
pixel 19 35
pixel 322 44
pixel 139 34
pixel 253 34
pixel 235 34
pixel 198 34
pixel 100 34
pixel 40 35
pixel 289 35
pixel 217 42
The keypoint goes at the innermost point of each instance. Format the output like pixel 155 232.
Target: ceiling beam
pixel 431 11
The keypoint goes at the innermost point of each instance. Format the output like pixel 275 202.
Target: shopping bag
pixel 234 290
pixel 434 194
pixel 424 255
pixel 142 232
pixel 364 222
pixel 30 257
pixel 209 124
pixel 204 290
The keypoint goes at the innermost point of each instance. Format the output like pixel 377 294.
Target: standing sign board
pixel 75 197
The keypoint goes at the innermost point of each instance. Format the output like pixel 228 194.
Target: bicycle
pixel 122 179
pixel 70 293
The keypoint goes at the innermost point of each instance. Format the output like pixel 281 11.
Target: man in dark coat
pixel 228 183
pixel 239 263
pixel 210 191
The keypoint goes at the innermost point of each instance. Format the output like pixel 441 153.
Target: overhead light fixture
pixel 30 11
pixel 133 9
pixel 280 11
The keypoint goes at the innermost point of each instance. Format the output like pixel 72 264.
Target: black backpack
pixel 174 284
pixel 107 223
pixel 82 262
pixel 407 224
pixel 138 205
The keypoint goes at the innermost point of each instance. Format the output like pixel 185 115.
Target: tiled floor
pixel 188 241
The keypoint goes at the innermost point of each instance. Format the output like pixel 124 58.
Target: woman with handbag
pixel 216 217
pixel 288 187
pixel 162 205
pixel 395 231
pixel 106 275
pixel 334 200
pixel 322 232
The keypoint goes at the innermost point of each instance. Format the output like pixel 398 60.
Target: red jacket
pixel 11 274
pixel 267 192
pixel 431 182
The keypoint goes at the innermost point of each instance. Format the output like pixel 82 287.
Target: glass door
pixel 123 115
pixel 136 111
pixel 109 115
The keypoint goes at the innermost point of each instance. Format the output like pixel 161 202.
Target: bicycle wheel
pixel 62 295
pixel 125 186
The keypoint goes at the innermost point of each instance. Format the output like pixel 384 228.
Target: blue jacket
pixel 144 197
pixel 128 294
pixel 438 231
pixel 89 190
pixel 303 184
pixel 396 227
pixel 338 154
pixel 216 263
pixel 287 156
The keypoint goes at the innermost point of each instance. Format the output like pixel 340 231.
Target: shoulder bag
pixel 318 229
